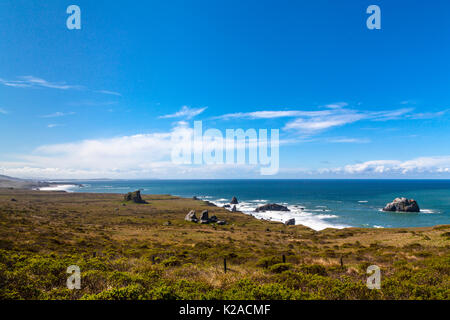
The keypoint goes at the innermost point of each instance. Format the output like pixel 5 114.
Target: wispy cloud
pixel 3 111
pixel 91 103
pixel 58 114
pixel 31 81
pixel 185 112
pixel 36 82
pixel 54 125
pixel 429 115
pixel 271 114
pixel 113 93
pixel 308 122
pixel 324 120
pixel 348 140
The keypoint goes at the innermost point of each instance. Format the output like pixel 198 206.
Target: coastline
pixel 317 205
pixel 148 250
pixel 242 208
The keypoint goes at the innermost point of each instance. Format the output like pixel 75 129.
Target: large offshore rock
pixel 402 205
pixel 271 207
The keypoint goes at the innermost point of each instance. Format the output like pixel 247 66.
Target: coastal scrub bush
pixel 132 292
pixel 280 267
pixel 171 262
pixel 267 262
pixel 313 269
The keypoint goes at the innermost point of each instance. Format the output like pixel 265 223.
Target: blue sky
pixel 101 101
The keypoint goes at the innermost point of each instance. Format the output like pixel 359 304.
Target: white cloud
pixel 336 105
pixel 272 114
pixel 185 112
pixel 422 165
pixel 136 156
pixel 58 114
pixel 3 111
pixel 333 115
pixel 429 115
pixel 348 140
pixel 31 81
pixel 35 82
pixel 113 93
pixel 316 123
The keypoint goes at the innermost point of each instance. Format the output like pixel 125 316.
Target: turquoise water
pixel 315 203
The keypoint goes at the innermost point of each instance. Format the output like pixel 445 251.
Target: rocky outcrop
pixel 226 206
pixel 271 207
pixel 134 196
pixel 233 209
pixel 290 222
pixel 234 200
pixel 402 205
pixel 191 217
pixel 205 217
pixel 194 198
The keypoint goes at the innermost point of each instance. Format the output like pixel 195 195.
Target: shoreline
pixel 122 246
pixel 64 189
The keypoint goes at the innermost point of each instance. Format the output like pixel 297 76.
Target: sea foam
pixel 302 215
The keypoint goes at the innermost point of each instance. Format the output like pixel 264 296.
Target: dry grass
pixel 135 239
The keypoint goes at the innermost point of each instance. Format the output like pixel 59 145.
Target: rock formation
pixel 205 217
pixel 234 209
pixel 290 222
pixel 271 207
pixel 402 205
pixel 134 196
pixel 191 217
pixel 234 200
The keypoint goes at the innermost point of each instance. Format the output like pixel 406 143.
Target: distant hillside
pixel 16 183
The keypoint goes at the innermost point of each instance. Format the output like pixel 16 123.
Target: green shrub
pixel 171 262
pixel 132 292
pixel 266 262
pixel 280 267
pixel 314 269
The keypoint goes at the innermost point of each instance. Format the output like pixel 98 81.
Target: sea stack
pixel 402 205
pixel 234 200
pixel 271 207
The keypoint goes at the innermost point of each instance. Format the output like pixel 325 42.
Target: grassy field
pixel 148 251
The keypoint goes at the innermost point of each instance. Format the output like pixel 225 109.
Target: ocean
pixel 318 204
